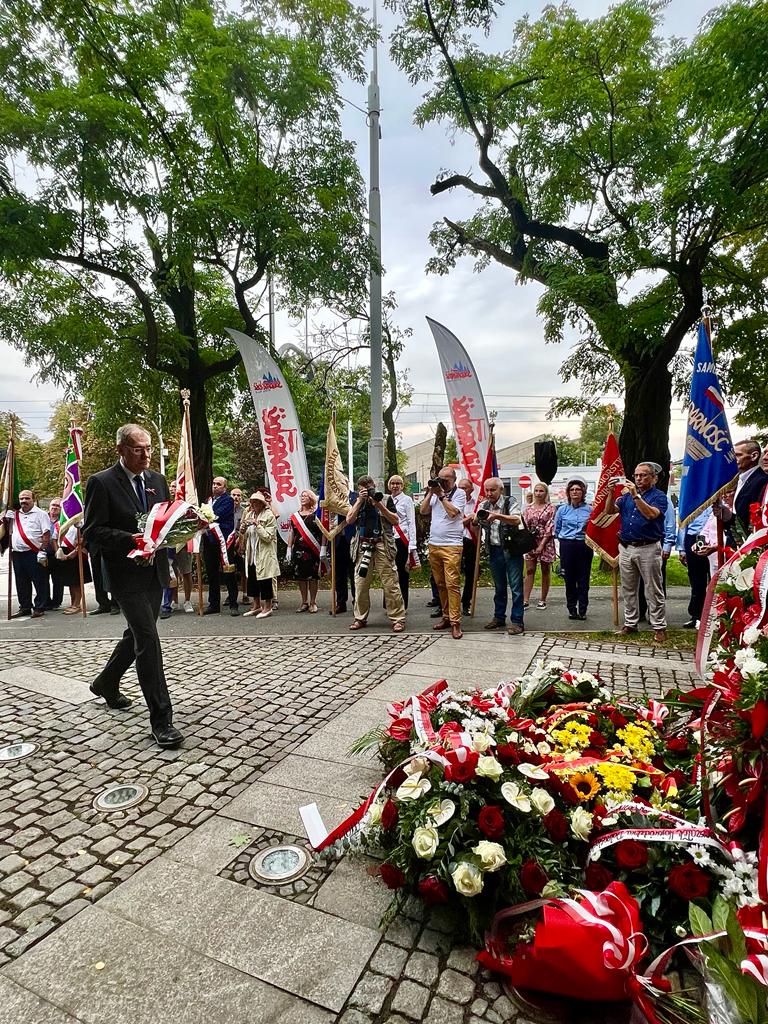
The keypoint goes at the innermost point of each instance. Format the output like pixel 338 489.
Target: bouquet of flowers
pixel 169 524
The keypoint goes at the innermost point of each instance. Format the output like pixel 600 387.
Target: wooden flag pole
pixel 478 538
pixel 615 593
pixel 185 396
pixel 81 572
pixel 331 526
pixel 9 476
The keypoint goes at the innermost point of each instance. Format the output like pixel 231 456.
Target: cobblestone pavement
pixel 242 703
pixel 266 719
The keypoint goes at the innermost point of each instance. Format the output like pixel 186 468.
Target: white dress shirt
pixel 406 517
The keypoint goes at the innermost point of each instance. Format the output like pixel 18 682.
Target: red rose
pixel 433 891
pixel 392 876
pixel 617 719
pixel 630 854
pixel 596 739
pixel 688 881
pixel 556 825
pixel 461 770
pixel 533 878
pixel 389 815
pixel 678 745
pixel 490 821
pixel 597 877
pixel 508 753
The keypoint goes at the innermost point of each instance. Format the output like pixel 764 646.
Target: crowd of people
pixel 240 551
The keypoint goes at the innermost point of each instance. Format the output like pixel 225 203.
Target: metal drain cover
pixel 120 796
pixel 278 864
pixel 15 751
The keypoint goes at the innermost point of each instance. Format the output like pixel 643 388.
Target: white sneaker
pixel 264 615
pixel 188 606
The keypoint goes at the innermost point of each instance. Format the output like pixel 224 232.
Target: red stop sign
pixel 525 482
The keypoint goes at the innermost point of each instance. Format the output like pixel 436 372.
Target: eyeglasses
pixel 639 475
pixel 139 448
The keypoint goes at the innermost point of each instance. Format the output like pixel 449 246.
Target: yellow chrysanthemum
pixel 636 738
pixel 616 777
pixel 585 784
pixel 572 736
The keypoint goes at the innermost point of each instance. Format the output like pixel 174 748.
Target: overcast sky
pixel 494 317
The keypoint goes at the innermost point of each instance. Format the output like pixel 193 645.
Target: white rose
pixel 544 748
pixel 425 841
pixel 516 797
pixel 489 768
pixel 492 856
pixel 467 879
pixel 581 823
pixel 413 787
pixel 745 578
pixel 481 741
pixel 542 801
pixel 417 766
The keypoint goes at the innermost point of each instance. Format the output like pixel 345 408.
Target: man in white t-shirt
pixel 444 503
pixel 30 536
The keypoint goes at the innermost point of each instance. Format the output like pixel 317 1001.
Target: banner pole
pixel 476 574
pixel 333 565
pixel 10 477
pixel 82 574
pixel 720 544
pixel 615 593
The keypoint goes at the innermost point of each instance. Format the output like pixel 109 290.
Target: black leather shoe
pixel 433 603
pixel 114 611
pixel 22 613
pixel 465 609
pixel 573 615
pixel 234 610
pixel 211 611
pixel 165 614
pixel 101 611
pixel 690 624
pixel 38 613
pixel 117 702
pixel 168 738
pixel 437 613
pixel 582 615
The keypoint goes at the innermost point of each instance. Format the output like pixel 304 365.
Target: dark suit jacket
pixel 111 510
pixel 752 491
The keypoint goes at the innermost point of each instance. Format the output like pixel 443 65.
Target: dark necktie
pixel 139 481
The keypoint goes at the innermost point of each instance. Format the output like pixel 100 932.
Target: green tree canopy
pixel 624 172
pixel 158 162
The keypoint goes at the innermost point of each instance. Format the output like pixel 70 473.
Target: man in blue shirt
pixel 643 508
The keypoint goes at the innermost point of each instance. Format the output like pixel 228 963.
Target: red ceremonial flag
pixel 602 530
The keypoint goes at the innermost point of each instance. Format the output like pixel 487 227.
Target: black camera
pixel 373 495
pixel 437 482
pixel 365 558
pixel 483 514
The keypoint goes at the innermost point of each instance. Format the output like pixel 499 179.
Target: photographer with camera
pixel 445 504
pixel 373 548
pixel 499 519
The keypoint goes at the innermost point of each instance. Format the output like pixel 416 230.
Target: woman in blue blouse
pixel 575 554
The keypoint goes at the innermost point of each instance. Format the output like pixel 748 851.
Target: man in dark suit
pixel 751 485
pixel 114 499
pixel 224 508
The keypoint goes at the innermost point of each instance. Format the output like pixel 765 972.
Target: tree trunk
pixel 202 446
pixel 645 430
pixel 390 437
pixel 438 452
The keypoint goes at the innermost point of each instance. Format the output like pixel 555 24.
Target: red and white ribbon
pixel 305 533
pixel 682 832
pixel 160 520
pixel 221 544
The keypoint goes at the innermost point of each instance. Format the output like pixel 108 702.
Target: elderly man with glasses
pixel 642 507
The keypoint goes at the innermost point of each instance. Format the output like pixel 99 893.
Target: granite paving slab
pixel 65 688
pixel 325 777
pixel 363 715
pixel 334 746
pixel 103 968
pixel 353 892
pixel 277 808
pixel 20 1006
pixel 304 951
pixel 212 846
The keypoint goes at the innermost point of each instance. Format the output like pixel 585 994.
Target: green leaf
pixel 700 922
pixel 720 912
pixel 240 839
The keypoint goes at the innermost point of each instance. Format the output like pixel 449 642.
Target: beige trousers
pixel 636 564
pixel 445 563
pixel 385 567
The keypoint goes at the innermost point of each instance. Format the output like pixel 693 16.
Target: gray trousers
pixel 636 563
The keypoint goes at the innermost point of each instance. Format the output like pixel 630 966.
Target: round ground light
pixel 120 796
pixel 15 751
pixel 277 865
